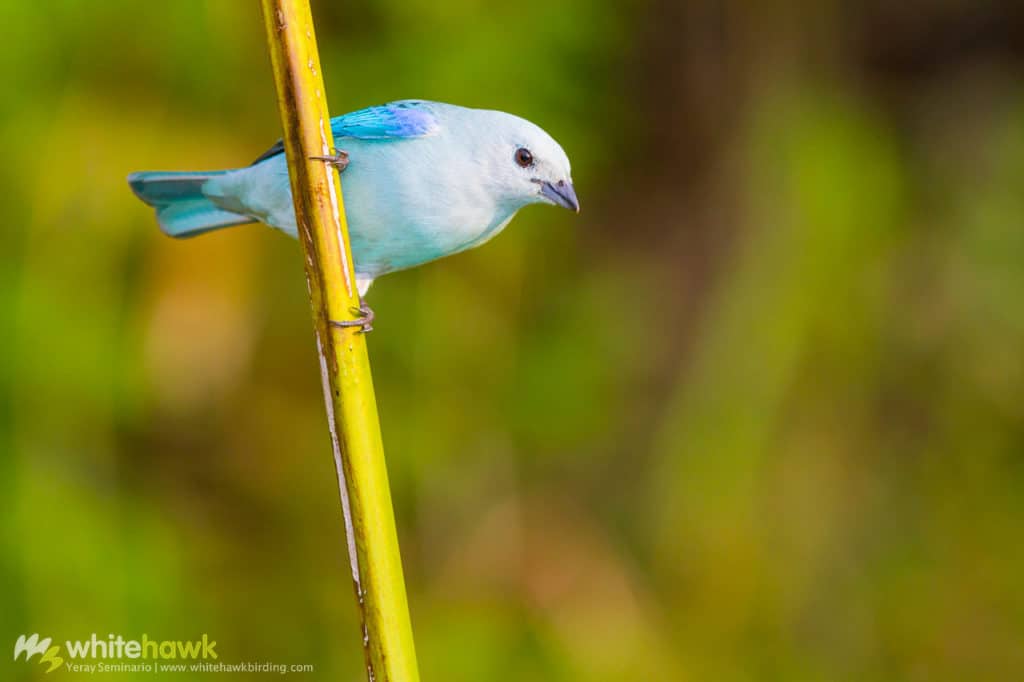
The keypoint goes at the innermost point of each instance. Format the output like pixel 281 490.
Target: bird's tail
pixel 182 209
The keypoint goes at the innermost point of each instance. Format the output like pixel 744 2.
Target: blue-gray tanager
pixel 423 180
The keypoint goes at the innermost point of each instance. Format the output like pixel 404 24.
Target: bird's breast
pixel 407 206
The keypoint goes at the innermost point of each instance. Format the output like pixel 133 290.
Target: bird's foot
pixel 364 319
pixel 339 159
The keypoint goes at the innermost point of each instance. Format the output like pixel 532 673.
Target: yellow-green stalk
pixel 344 363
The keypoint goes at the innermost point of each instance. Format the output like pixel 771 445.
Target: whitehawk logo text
pixel 114 647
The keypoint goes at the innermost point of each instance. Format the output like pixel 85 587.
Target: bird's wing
pixel 407 118
pixel 395 120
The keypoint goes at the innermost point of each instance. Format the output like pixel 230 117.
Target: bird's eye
pixel 523 157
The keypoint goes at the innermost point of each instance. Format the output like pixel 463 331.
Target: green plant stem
pixel 345 367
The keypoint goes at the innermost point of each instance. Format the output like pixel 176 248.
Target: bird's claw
pixel 364 318
pixel 338 159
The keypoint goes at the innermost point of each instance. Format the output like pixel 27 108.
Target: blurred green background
pixel 755 414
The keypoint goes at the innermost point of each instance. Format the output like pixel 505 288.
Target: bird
pixel 421 180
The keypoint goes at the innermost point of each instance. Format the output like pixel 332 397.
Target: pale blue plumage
pixel 425 180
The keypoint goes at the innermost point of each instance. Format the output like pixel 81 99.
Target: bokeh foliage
pixel 755 414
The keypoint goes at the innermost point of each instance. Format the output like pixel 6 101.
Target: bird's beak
pixel 561 193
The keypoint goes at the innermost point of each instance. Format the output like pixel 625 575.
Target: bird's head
pixel 527 165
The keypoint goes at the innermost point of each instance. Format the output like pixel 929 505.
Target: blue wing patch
pixel 408 118
pixel 395 120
